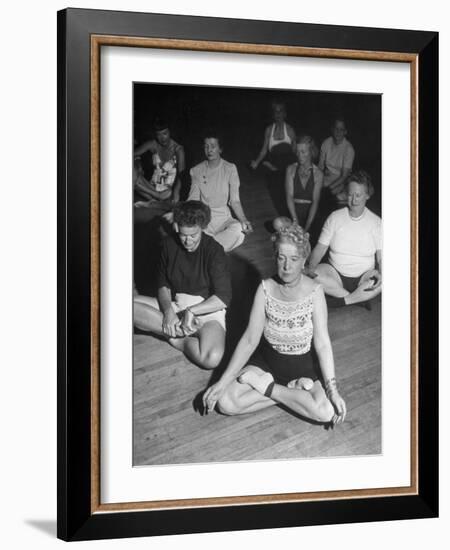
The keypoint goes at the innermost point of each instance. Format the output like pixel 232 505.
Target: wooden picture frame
pixel 81 35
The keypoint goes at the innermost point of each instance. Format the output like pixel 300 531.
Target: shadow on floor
pixel 46 526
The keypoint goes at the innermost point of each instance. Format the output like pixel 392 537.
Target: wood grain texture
pixel 261 49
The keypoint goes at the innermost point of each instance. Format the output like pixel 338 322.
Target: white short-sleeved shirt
pixel 352 243
pixel 336 158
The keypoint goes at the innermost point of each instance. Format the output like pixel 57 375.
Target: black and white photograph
pixel 195 352
pixel 257 274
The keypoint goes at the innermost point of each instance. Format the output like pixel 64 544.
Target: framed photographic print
pixel 243 343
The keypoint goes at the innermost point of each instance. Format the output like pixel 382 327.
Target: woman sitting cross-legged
pixel 194 289
pixel 352 235
pixel 272 363
pixel 303 187
pixel 304 184
pixel 216 183
pixel 278 149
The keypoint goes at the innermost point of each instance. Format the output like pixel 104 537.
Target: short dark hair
pixel 213 133
pixel 160 124
pixel 363 178
pixel 190 213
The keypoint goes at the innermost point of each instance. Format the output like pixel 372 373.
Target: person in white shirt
pixel 352 235
pixel 336 158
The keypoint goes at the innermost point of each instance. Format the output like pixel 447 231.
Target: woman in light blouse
pixel 215 182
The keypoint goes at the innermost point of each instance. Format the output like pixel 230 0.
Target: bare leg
pixel 242 398
pixel 270 166
pixel 147 315
pixel 360 294
pixel 231 236
pixel 332 285
pixel 311 403
pixel 329 278
pixel 206 347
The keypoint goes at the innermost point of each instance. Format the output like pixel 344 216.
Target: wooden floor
pixel 168 424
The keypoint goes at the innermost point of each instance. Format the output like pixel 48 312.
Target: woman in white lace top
pixel 272 363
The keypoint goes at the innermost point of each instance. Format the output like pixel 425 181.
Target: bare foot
pixel 301 384
pixel 142 204
pixel 168 216
pixel 281 222
pixel 258 382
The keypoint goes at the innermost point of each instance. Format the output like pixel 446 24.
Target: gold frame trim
pixel 97 41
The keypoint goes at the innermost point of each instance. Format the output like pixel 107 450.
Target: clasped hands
pixel 176 327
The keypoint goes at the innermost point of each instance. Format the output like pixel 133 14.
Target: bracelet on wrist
pixel 331 387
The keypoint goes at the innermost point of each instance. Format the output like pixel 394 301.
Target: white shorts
pixel 182 301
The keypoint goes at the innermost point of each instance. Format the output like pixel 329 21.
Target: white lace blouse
pixel 289 327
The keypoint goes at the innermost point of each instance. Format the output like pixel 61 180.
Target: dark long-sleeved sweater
pixel 204 272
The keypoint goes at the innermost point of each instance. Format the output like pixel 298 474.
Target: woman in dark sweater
pixel 194 289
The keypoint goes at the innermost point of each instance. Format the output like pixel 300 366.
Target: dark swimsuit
pixel 303 193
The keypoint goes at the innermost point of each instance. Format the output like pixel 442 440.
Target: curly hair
pixel 313 149
pixel 190 213
pixel 362 178
pixel 293 234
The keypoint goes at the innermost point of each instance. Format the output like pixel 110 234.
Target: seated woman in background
pixel 149 201
pixel 336 158
pixel 303 186
pixel 289 312
pixel 194 289
pixel 353 237
pixel 278 149
pixel 215 182
pixel 167 165
pixel 155 192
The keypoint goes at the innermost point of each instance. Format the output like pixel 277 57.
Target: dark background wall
pixel 241 115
